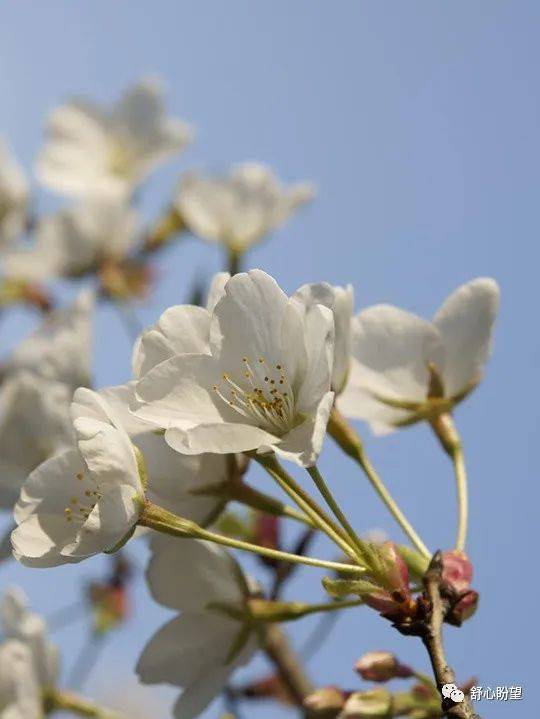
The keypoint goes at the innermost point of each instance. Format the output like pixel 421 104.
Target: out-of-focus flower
pixel 92 150
pixel 20 693
pixel 61 348
pixel 39 379
pixel 200 649
pixel 340 300
pixel 76 241
pixel 325 703
pixel 85 500
pixel 238 210
pixel 13 197
pixel 265 385
pixel 365 705
pixel 19 623
pixel 406 369
pixel 34 425
pixel 381 667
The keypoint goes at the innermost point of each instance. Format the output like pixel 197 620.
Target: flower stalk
pixel 167 522
pixel 446 432
pixel 61 700
pixel 344 435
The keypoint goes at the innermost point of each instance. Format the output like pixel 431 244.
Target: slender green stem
pixel 251 497
pixel 60 700
pixel 306 503
pixel 350 442
pixel 234 261
pixel 463 500
pixel 446 432
pixel 169 523
pixel 325 607
pixel 334 506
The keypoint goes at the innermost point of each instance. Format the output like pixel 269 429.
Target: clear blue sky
pixel 419 123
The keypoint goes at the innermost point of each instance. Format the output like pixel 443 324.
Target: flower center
pixel 85 497
pixel 120 160
pixel 264 395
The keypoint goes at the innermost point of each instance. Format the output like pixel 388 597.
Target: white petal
pixel 198 695
pixel 319 339
pixel 190 574
pixel 340 300
pixel 465 322
pixel 180 392
pixel 111 520
pixel 216 289
pixel 248 321
pixel 181 329
pixel 104 444
pixel 391 350
pixel 43 529
pixel 303 444
pixel 221 438
pixel 186 648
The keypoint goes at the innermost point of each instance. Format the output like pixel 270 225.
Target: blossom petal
pixel 304 443
pixel 248 319
pixel 391 352
pixel 220 438
pixel 209 574
pixel 186 648
pixel 183 329
pixel 465 322
pixel 180 392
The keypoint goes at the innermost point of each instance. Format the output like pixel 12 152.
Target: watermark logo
pixel 451 691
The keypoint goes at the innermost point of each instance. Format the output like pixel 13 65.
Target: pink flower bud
pixel 457 570
pixel 381 667
pixel 325 702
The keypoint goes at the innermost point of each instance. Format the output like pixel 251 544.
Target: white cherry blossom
pixel 76 240
pixel 20 692
pixel 19 623
pixel 238 210
pixel 61 348
pixel 340 300
pixel 95 150
pixel 201 648
pixel 34 425
pixel 405 369
pixel 174 480
pixel 13 198
pixel 85 500
pixel 264 385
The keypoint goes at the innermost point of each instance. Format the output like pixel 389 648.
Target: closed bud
pixel 457 571
pixel 365 705
pixel 325 703
pixel 381 667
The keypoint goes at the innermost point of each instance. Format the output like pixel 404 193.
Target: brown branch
pixel 433 641
pixel 287 664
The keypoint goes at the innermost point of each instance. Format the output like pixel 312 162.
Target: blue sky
pixel 418 122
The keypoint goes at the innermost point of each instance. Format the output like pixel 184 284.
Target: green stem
pixel 463 500
pixel 167 522
pixel 306 503
pixel 334 506
pixel 234 261
pixel 447 434
pixel 60 700
pixel 351 444
pixel 251 497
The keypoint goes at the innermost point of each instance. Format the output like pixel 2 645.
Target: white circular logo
pixel 447 689
pixel 457 696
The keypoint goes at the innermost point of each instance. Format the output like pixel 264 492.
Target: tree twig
pixel 433 641
pixel 288 666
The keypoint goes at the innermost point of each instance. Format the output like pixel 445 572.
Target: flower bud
pixel 364 705
pixel 325 703
pixel 381 667
pixel 457 570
